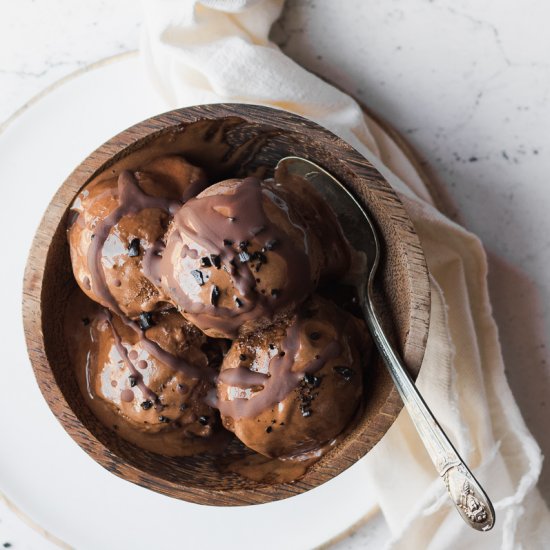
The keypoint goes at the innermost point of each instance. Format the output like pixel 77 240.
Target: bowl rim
pixel 105 155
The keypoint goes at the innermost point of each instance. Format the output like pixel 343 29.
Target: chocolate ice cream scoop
pixel 242 254
pixel 294 388
pixel 131 387
pixel 114 222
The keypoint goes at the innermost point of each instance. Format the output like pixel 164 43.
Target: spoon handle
pixel 470 499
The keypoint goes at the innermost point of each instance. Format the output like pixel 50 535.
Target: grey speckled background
pixel 468 84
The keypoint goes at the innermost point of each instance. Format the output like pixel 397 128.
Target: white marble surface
pixel 466 81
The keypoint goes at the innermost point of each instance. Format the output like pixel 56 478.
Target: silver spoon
pixel 470 499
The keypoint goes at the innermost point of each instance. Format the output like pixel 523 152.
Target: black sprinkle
pixel 164 419
pixel 282 353
pixel 197 274
pixel 345 372
pixel 146 320
pixel 473 159
pixel 306 412
pixel 133 380
pixel 214 295
pixel 244 257
pixel 232 219
pixel 238 302
pixel 312 380
pixel 269 429
pixel 243 245
pixel 242 357
pixel 183 406
pixel 216 261
pixel 146 405
pixel 315 336
pixel 227 242
pixel 7 545
pixel 133 249
pixel 206 262
pixel 203 420
pixel 270 245
pixel 275 292
pixel 271 346
pixel 85 321
pixel 260 257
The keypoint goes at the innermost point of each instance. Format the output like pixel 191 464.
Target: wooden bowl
pixel 228 140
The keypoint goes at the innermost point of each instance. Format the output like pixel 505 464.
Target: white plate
pixel 41 469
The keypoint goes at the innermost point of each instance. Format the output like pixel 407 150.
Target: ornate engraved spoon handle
pixel 471 501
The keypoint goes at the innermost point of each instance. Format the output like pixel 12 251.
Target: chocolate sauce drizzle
pixel 219 224
pixel 133 200
pixel 280 381
pixel 123 352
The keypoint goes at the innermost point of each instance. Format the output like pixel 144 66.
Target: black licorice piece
pixel 146 320
pixel 238 302
pixel 203 420
pixel 133 380
pixel 164 419
pixel 146 405
pixel 197 275
pixel 214 295
pixel 312 380
pixel 134 248
pixel 244 257
pixel 206 261
pixel 216 260
pixel 259 256
pixel 345 372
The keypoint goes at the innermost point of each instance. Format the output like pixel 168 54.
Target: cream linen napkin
pixel 214 51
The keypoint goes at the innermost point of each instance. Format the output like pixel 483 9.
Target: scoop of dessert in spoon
pixel 470 499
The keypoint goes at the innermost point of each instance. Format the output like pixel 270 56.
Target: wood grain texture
pixel 253 138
